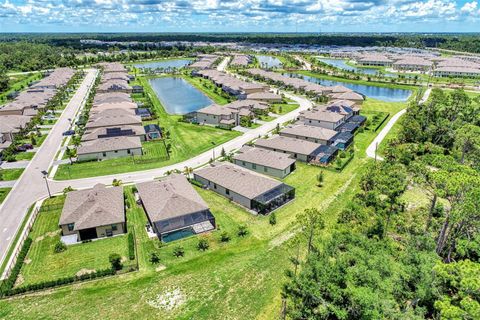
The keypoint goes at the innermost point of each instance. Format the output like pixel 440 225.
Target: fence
pixel 10 264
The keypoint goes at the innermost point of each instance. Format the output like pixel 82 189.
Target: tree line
pixel 389 258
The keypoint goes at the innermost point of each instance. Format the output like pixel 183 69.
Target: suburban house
pixel 174 209
pixel 302 150
pixel 265 161
pixel 111 97
pixel 343 140
pixel 218 116
pixel 111 132
pixel 264 96
pixel 322 118
pixel 114 86
pixel 94 213
pixel 9 127
pixel 412 64
pixel 311 133
pixel 247 188
pixel 112 118
pixel 377 60
pixel 357 98
pixel 109 148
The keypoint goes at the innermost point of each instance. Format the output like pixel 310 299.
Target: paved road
pixel 306 65
pixel 383 133
pixel 223 65
pixel 30 187
pixel 199 160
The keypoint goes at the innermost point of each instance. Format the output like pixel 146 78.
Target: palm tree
pixel 188 171
pixel 116 183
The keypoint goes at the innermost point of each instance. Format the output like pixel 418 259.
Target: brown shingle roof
pixel 170 197
pixel 109 144
pixel 313 132
pixel 94 207
pixel 288 144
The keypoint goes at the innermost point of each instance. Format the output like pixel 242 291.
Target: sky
pixel 239 16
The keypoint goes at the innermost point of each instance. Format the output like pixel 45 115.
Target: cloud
pixel 232 15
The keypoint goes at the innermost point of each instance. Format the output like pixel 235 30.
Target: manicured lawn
pixel 241 279
pixel 283 108
pixel 186 140
pixel 24 156
pixel 4 193
pixel 11 174
pixel 43 264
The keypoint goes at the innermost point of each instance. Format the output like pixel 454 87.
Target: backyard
pixel 239 279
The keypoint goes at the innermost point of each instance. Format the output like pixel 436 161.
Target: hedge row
pixel 131 246
pixel 60 281
pixel 8 283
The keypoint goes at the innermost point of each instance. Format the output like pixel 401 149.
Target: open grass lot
pixel 10 174
pixel 283 108
pixel 44 264
pixel 186 140
pixel 4 193
pixel 240 279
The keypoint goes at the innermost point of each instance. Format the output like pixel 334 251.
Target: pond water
pixel 342 64
pixel 269 61
pixel 375 92
pixel 178 96
pixel 167 64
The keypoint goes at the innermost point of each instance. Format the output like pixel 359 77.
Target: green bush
pixel 178 251
pixel 10 281
pixel 242 231
pixel 272 219
pixel 154 259
pixel 59 247
pixel 131 246
pixel 203 244
pixel 224 237
pixel 116 261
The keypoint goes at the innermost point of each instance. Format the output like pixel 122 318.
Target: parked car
pixel 27 146
pixel 21 149
pixel 69 133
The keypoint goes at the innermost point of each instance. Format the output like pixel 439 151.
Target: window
pixel 227 191
pixel 104 154
pixel 116 151
pixel 114 227
pixel 265 169
pixel 243 162
pixel 254 166
pixel 214 186
pixel 70 226
pixel 128 151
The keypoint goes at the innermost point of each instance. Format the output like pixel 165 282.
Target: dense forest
pixel 391 259
pixel 461 42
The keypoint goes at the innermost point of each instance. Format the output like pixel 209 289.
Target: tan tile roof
pixel 314 132
pixel 111 97
pixel 109 144
pixel 215 109
pixel 94 207
pixel 264 96
pixel 288 144
pixel 170 197
pixel 96 132
pixel 113 117
pixel 264 157
pixel 321 115
pixel 237 179
pixel 13 123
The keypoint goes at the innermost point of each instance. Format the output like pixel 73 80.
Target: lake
pixel 375 92
pixel 269 61
pixel 176 63
pixel 178 96
pixel 342 64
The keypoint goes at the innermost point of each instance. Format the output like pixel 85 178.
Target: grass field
pixel 240 279
pixel 186 140
pixel 11 174
pixel 24 156
pixel 283 108
pixel 43 264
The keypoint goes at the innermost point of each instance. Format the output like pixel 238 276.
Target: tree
pixel 312 221
pixel 272 219
pixel 224 236
pixel 467 144
pixel 188 171
pixel 116 261
pixel 116 182
pixel 70 154
pixel 59 247
pixel 320 178
pixel 154 259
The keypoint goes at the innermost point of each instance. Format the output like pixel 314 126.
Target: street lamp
pixel 45 175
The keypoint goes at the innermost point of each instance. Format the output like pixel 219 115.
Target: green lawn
pixel 241 279
pixel 43 264
pixel 210 89
pixel 4 193
pixel 283 108
pixel 11 174
pixel 18 83
pixel 186 140
pixel 24 156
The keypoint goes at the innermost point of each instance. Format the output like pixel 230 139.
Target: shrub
pixel 224 237
pixel 343 154
pixel 59 247
pixel 178 251
pixel 203 244
pixel 242 231
pixel 116 261
pixel 131 246
pixel 10 281
pixel 154 259
pixel 272 219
